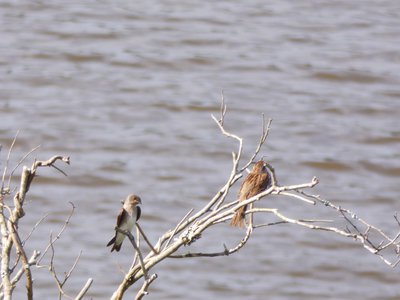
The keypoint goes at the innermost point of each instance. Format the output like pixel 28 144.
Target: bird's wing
pixel 138 212
pixel 121 216
pixel 253 185
pixel 246 187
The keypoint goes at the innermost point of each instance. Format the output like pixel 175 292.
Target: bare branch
pixel 85 289
pixel 298 197
pixel 24 259
pixel 220 209
pixel 226 251
pixel 132 239
pixel 285 222
pixel 6 242
pixel 177 226
pixel 50 161
pixel 360 237
pixel 222 109
pixel 146 239
pixel 10 236
pixel 31 262
pixel 19 163
pixel 51 267
pixel 52 270
pixel 34 228
pixel 264 134
pixel 52 241
pixel 68 274
pixel 7 162
pixel 143 291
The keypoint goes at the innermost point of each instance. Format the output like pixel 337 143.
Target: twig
pixel 298 197
pixel 132 239
pixel 286 222
pixel 361 238
pixel 60 283
pixel 85 289
pixel 68 274
pixel 31 262
pixel 138 245
pixel 19 163
pixel 226 251
pixel 222 109
pixel 52 270
pixel 177 226
pixel 51 267
pixel 52 241
pixel 143 291
pixel 145 238
pixel 7 161
pixel 264 134
pixel 34 228
pixel 279 189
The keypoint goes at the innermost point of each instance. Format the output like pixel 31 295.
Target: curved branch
pixel 219 210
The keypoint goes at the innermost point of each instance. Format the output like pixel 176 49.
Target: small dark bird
pixel 127 217
pixel 257 181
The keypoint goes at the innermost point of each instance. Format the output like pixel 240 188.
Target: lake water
pixel 127 90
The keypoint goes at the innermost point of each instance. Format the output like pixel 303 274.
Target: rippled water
pixel 127 91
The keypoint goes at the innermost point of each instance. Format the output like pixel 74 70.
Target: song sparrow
pixel 257 181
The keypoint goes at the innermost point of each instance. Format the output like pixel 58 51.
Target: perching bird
pixel 257 181
pixel 127 217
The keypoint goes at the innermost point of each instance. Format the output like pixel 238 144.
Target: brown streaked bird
pixel 127 217
pixel 257 181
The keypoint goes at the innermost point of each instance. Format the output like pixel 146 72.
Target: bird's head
pixel 259 167
pixel 133 200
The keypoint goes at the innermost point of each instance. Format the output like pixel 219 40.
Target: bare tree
pixel 10 213
pixel 220 209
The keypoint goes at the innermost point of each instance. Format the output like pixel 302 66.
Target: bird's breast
pixel 128 224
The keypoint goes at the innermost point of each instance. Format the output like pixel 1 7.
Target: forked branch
pixel 220 209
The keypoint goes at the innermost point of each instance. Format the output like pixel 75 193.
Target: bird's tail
pixel 112 241
pixel 115 246
pixel 238 217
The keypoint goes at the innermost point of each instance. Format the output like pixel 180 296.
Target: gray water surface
pixel 127 90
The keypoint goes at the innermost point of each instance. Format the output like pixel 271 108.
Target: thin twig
pixel 145 238
pixel 177 226
pixel 264 134
pixel 298 197
pixel 68 274
pixel 34 228
pixel 226 251
pixel 85 289
pixel 143 291
pixel 132 239
pixel 8 160
pixel 138 245
pixel 285 222
pixel 52 241
pixel 222 109
pixel 31 262
pixel 20 162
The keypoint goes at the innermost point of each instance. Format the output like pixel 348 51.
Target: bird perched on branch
pixel 256 181
pixel 127 217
